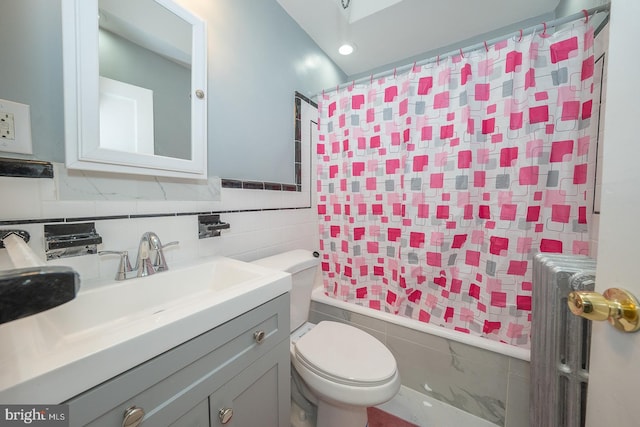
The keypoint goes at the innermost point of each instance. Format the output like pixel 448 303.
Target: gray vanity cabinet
pixel 255 395
pixel 238 370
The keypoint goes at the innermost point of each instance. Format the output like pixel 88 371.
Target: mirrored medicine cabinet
pixel 135 88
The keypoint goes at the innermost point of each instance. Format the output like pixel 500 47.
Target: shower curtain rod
pixel 546 25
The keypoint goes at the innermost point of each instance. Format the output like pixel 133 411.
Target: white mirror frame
pixel 81 99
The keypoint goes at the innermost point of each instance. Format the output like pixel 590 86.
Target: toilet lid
pixel 345 354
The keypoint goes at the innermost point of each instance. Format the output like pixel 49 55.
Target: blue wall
pixel 258 58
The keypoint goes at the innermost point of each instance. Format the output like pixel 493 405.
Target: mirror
pixel 135 85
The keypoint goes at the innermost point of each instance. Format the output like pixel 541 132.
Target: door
pixel 615 356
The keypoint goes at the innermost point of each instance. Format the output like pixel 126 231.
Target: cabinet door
pixel 259 395
pixel 197 417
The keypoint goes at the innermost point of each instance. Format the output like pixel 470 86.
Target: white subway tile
pixel 69 209
pixel 20 198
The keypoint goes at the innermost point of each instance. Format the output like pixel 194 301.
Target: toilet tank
pixel 302 265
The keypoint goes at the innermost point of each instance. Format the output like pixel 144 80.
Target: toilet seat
pixel 345 355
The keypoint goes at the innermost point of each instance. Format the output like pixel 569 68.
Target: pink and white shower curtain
pixel 437 187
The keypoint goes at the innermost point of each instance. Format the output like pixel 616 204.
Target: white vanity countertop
pixel 55 355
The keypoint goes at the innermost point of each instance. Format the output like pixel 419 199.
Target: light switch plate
pixel 15 127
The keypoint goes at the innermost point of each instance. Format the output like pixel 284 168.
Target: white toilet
pixel 345 369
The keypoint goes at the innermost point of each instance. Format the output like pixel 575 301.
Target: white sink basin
pixel 52 356
pixel 139 299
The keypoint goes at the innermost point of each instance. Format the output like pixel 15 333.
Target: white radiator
pixel 559 341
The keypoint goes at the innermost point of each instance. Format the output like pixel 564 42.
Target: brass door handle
pixel 618 306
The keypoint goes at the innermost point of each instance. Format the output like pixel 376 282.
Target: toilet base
pixel 330 415
pixel 299 417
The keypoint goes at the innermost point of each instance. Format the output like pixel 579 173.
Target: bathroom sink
pixel 146 299
pixel 108 329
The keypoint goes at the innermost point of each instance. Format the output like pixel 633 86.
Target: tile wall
pixel 260 226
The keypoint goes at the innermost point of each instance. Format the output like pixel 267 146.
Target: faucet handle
pixel 174 243
pixel 124 266
pixel 160 262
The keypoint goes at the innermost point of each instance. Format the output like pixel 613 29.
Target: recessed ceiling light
pixel 346 49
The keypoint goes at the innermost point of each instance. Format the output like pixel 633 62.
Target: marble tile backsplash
pixel 82 185
pixel 486 384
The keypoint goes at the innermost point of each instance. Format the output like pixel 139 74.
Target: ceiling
pixel 390 31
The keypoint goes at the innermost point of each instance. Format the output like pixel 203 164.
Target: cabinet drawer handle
pixel 259 336
pixel 133 417
pixel 225 415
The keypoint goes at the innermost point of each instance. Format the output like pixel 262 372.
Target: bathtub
pixel 486 380
pixel 472 340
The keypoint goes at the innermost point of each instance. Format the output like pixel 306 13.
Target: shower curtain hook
pixel 438 60
pixel 544 33
pixel 371 82
pixel 394 73
pixel 485 46
pixel 461 54
pixel 586 16
pixel 413 69
pixel 520 39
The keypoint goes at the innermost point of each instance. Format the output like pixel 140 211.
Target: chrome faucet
pixel 150 258
pixel 151 255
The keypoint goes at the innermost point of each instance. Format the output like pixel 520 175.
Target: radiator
pixel 559 341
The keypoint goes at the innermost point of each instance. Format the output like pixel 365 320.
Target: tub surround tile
pixel 473 386
pixel 369 322
pixel 519 384
pixel 328 310
pixel 517 402
pixel 479 355
pixel 520 368
pixel 486 407
pixel 316 317
pixel 426 411
pixel 420 338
